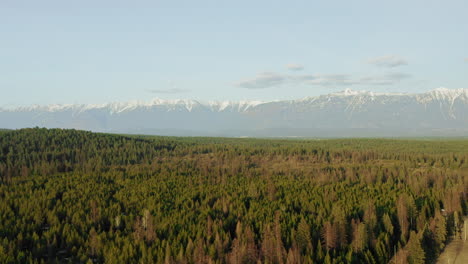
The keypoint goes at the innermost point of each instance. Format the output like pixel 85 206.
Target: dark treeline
pixel 71 196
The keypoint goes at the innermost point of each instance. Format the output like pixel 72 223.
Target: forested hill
pixel 47 151
pixel 75 196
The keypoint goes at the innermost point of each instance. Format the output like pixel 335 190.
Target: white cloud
pixel 347 80
pixel 262 80
pixel 389 61
pixel 168 91
pixel 269 79
pixel 387 79
pixel 330 80
pixel 294 67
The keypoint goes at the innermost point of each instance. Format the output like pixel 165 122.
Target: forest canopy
pixel 69 196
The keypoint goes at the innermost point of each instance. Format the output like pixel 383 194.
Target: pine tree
pixel 138 230
pixel 303 237
pixel 94 244
pixel 360 238
pixel 387 222
pixel 236 255
pixel 294 257
pixel 250 249
pixel 319 252
pixel 328 236
pixel 279 248
pixel 402 212
pixel 268 245
pixel 440 230
pixel 168 257
pixel 416 252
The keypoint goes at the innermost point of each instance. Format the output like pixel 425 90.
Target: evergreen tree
pixel 303 237
pixel 415 251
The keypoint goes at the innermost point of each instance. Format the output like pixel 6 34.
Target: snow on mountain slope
pixel 359 97
pixel 347 113
pixel 444 94
pixel 118 107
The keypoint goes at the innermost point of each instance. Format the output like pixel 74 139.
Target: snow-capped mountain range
pixel 441 112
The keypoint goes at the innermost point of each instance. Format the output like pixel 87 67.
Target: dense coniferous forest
pixel 71 196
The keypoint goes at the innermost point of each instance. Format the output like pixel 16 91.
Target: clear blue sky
pixel 108 50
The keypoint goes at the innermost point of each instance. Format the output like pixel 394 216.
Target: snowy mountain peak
pixel 119 107
pixel 360 97
pixel 350 92
pixel 444 94
pixel 240 106
pixel 347 113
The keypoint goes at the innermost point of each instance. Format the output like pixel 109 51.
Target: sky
pixel 62 52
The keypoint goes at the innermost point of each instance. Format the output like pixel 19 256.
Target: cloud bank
pixel 271 79
pixel 294 67
pixel 168 91
pixel 262 80
pixel 389 61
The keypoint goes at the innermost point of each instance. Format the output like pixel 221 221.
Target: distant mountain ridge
pixel 441 112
